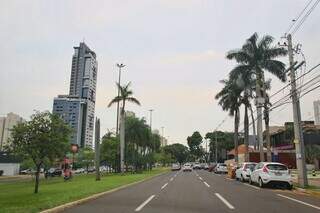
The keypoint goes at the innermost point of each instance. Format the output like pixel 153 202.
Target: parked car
pixel 212 166
pixel 196 166
pixel 205 166
pixel 244 170
pixel 91 169
pixel 221 168
pixel 26 172
pixel 187 167
pixel 175 167
pixel 53 172
pixel 271 173
pixel 79 171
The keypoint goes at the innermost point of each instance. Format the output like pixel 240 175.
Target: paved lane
pixel 199 191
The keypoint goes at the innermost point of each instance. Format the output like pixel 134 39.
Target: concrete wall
pixel 10 168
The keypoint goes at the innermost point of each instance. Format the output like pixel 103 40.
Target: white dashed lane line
pixel 164 186
pixel 144 203
pixel 224 201
pixel 299 201
pixel 200 178
pixel 171 179
pixel 205 183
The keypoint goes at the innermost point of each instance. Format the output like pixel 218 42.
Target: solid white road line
pixel 171 179
pixel 255 187
pixel 144 203
pixel 224 201
pixel 206 184
pixel 164 186
pixel 298 201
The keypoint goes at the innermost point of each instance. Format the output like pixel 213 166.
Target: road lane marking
pixel 224 201
pixel 255 187
pixel 206 184
pixel 229 179
pixel 298 201
pixel 164 186
pixel 144 203
pixel 171 179
pixel 200 178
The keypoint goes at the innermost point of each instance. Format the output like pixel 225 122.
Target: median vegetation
pixel 18 196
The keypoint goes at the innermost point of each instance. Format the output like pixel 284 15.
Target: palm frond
pixel 115 100
pixel 133 100
pixel 277 68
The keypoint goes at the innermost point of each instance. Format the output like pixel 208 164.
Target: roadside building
pixel 9 164
pixel 6 125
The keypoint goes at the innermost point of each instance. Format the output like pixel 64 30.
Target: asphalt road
pixel 199 191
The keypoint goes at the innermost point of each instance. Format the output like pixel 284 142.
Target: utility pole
pixel 216 155
pixel 97 148
pixel 298 134
pixel 119 81
pixel 162 138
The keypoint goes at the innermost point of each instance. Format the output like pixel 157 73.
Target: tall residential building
pixel 316 108
pixel 6 124
pixel 77 108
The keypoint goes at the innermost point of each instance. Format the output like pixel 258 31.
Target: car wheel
pixel 242 179
pixel 289 187
pixel 261 184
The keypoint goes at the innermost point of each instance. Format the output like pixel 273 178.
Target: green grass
pixel 19 197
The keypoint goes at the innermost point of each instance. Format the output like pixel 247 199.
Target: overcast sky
pixel 174 51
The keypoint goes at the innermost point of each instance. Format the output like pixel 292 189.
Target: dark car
pixel 212 166
pixel 53 172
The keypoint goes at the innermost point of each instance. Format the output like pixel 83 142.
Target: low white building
pixel 9 165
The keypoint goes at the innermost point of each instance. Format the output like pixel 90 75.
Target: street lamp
pixel 119 81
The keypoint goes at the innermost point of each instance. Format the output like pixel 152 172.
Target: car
pixel 212 166
pixel 221 168
pixel 196 166
pixel 27 172
pixel 175 167
pixel 187 167
pixel 271 173
pixel 244 170
pixel 205 166
pixel 79 171
pixel 53 172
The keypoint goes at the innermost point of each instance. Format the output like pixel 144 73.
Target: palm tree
pixel 230 100
pixel 257 56
pixel 125 96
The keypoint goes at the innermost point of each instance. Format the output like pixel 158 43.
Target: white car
pixel 196 166
pixel 243 171
pixel 221 168
pixel 187 167
pixel 271 173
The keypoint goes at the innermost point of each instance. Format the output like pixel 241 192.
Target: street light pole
pixel 298 134
pixel 162 138
pixel 151 110
pixel 119 81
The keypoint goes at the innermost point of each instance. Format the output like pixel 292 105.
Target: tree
pixel 230 100
pixel 224 142
pixel 178 152
pixel 109 150
pixel 125 96
pixel 85 157
pixel 257 56
pixel 312 153
pixel 194 142
pixel 44 137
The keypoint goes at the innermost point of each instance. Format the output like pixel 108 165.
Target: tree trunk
pixel 246 133
pixel 253 128
pixel 36 186
pixel 122 140
pixel 259 102
pixel 236 129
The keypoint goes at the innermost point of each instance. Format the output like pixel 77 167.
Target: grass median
pixel 19 197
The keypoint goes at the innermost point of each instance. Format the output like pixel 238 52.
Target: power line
pixel 297 18
pixel 297 27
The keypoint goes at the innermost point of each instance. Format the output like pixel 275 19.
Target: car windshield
pixel 251 165
pixel 222 164
pixel 278 167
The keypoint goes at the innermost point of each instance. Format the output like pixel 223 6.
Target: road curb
pixel 94 196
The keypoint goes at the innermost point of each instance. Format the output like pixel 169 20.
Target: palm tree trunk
pixel 122 139
pixel 246 133
pixel 266 121
pixel 253 128
pixel 236 130
pixel 259 114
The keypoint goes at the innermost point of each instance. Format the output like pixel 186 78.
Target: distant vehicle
pixel 205 166
pixel 175 167
pixel 243 171
pixel 221 168
pixel 212 166
pixel 187 167
pixel 91 169
pixel 271 173
pixel 27 172
pixel 79 171
pixel 53 172
pixel 196 166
